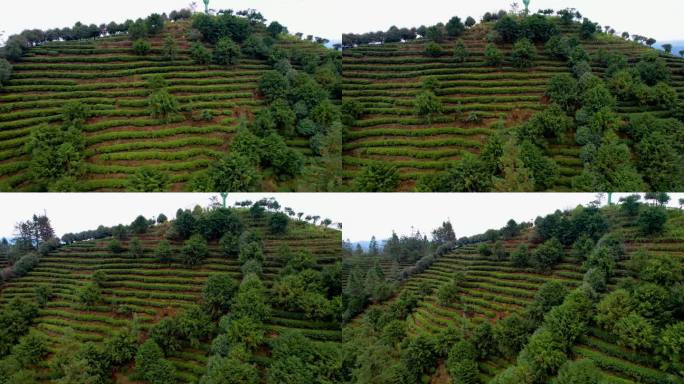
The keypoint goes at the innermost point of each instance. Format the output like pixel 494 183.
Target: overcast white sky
pixel 660 19
pixel 363 215
pixel 311 17
pixel 470 214
pixel 83 211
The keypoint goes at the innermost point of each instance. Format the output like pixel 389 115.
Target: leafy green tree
pixel 138 30
pixel 460 52
pixel 114 246
pixel 464 371
pixel 122 347
pixel 663 270
pixel 245 330
pixel 634 332
pixel 544 170
pixel 582 247
pixel 154 23
pixel 229 370
pixel 351 111
pixel 170 49
pixel 394 332
pixel 89 295
pixel 163 251
pixel 545 256
pixel 550 124
pixel 286 162
pixel 652 220
pixel 603 259
pixel 233 172
pixel 651 301
pixel 139 225
pixel 516 374
pixel 226 52
pixel 588 29
pixel 135 248
pixel 419 355
pixel 508 29
pixel 493 55
pixel 432 49
pixel 273 85
pixel 568 321
pixel 162 104
pixel 31 349
pixel 447 294
pixel 511 334
pixel 251 251
pixel 148 180
pixel 200 54
pixel 652 69
pixel 470 22
pixel 610 168
pixel 141 47
pixel 470 174
pixel 275 29
pixel 166 334
pixel 377 177
pixel 523 54
pixel 454 27
pixel 558 47
pixel 255 47
pixel 578 372
pixel 431 84
pixel 630 205
pixel 427 105
pixel 251 300
pixel 152 366
pixel 435 33
pixel 229 245
pixel 5 72
pixel 544 354
pixel 278 223
pixel 564 91
pixel 670 347
pixel 194 250
pixel 218 293
pixel 56 152
pixel 43 294
pixel 659 161
pixel 613 307
pixel 521 256
pixel 549 295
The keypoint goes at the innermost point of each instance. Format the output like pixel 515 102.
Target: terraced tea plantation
pixel 121 136
pixel 478 100
pixel 491 291
pixel 141 291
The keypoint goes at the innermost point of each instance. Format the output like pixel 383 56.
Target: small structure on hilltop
pixel 206 6
pixel 526 2
pixel 224 195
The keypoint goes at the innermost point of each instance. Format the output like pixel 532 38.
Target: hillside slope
pixel 121 136
pixel 478 101
pixel 490 290
pixel 142 291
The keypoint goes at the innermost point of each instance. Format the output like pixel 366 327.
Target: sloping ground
pixel 495 289
pixel 364 263
pixel 386 78
pixel 121 136
pixel 150 289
